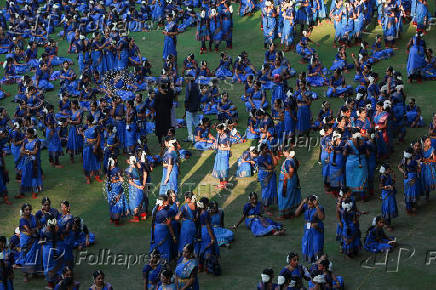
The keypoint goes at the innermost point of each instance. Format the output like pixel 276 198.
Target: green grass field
pixel 248 256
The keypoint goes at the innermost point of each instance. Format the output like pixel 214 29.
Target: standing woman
pixel 170 168
pixel 410 169
pixel 349 236
pixel 203 30
pixel 91 151
pixel 303 112
pixel 313 238
pixel 223 153
pixel 118 114
pixel 31 179
pixel 356 167
pixel 208 247
pixel 269 15
pixel 428 167
pixel 136 189
pixel 123 51
pixel 226 12
pixel 189 217
pixel 381 118
pixel 6 266
pixel 131 128
pixel 99 283
pixel 115 192
pixel 416 57
pixel 288 25
pixel 170 39
pixel 74 143
pixel 30 258
pixel 162 234
pixel 389 209
pixel 289 194
pixel 151 271
pixel 267 176
pixel 187 269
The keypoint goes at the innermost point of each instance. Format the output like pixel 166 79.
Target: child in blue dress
pixel 223 152
pixel 204 140
pixel 115 192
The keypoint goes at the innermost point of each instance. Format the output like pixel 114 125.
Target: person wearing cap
pixel 289 194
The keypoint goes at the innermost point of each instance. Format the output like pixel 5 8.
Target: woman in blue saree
pixel 74 142
pixel 416 57
pixel 189 217
pixel 223 153
pixel 203 138
pixel 123 52
pixel 410 169
pixel 389 207
pixel 289 194
pixel 162 235
pixel 99 283
pixel 115 192
pixel 170 39
pixel 225 10
pixel 31 172
pixel 312 245
pixel 223 236
pixel 65 224
pixel 267 176
pixel 207 246
pixel 136 189
pixel 151 272
pixel 30 258
pixel 349 235
pixel 170 168
pixel 429 71
pixel 118 114
pixel 256 222
pixel 52 258
pixel 91 151
pixel 187 269
pixel 269 22
pixel 336 164
pixel 288 25
pixel 356 166
pixel 246 163
pixel 303 112
pixel 428 167
pixel 6 266
pixel 131 127
pixel 97 54
pixel 376 240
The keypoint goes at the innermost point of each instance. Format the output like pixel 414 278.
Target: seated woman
pixel 246 163
pixel 429 71
pixel 226 109
pixel 254 220
pixel 234 136
pixel 204 140
pixel 223 236
pixel 253 132
pixel 376 240
pixel 224 68
pixel 316 73
pixel 413 115
pixel 378 52
pixel 257 99
pixel 337 86
pixel 187 269
pixel 42 78
pixel 304 49
pixel 83 238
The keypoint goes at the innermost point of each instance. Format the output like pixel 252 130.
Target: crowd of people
pixel 109 106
